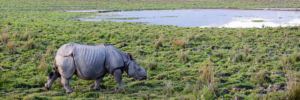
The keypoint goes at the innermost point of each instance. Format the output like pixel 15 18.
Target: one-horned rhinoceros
pixel 92 62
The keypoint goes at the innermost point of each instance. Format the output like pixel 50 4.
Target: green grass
pixel 182 63
pixel 258 21
pixel 125 18
pixel 61 5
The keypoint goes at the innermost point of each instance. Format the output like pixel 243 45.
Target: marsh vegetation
pixel 182 62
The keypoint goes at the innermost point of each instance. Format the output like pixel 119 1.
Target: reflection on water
pixel 206 18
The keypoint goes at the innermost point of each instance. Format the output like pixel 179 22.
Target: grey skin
pixel 90 62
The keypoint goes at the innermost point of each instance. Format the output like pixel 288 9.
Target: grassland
pixel 55 5
pixel 182 63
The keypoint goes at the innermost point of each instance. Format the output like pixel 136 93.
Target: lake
pixel 230 18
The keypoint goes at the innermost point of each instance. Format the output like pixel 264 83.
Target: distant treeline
pixel 166 0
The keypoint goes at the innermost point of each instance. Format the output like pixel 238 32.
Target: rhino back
pixel 89 60
pixel 66 49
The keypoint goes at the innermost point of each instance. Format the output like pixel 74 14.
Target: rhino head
pixel 133 69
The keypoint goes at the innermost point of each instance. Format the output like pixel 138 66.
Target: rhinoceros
pixel 92 62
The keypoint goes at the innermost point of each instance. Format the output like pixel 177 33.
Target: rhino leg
pixel 51 78
pixel 65 83
pixel 118 78
pixel 66 68
pixel 97 82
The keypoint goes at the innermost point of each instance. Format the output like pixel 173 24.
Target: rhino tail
pixel 55 68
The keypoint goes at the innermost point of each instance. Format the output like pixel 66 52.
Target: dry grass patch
pixel 4 37
pixel 293 87
pixel 10 46
pixel 159 42
pixel 26 35
pixel 210 88
pixel 183 57
pixel 180 43
pixel 16 34
pixel 28 45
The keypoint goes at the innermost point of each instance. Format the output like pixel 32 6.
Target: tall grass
pixel 28 45
pixel 180 43
pixel 210 88
pixel 172 73
pixel 158 43
pixel 10 46
pixel 293 86
pixel 4 37
pixel 43 65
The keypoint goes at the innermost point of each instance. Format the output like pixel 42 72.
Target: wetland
pixel 205 18
pixel 182 62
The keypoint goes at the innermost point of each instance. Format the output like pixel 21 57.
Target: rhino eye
pixel 139 69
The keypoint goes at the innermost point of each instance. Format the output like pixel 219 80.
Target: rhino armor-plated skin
pixel 92 62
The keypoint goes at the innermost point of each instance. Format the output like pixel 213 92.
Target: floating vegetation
pixel 167 16
pixel 258 21
pixel 125 18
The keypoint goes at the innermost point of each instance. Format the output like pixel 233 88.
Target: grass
pixel 10 46
pixel 258 21
pixel 158 43
pixel 4 37
pixel 182 63
pixel 179 43
pixel 127 18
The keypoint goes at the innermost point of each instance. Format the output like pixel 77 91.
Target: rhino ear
pixel 129 56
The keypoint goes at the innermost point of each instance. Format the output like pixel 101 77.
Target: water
pixel 205 18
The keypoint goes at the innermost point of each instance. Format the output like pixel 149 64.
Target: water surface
pixel 205 18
